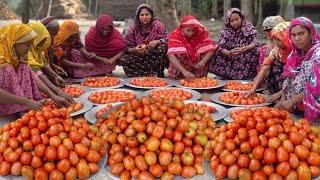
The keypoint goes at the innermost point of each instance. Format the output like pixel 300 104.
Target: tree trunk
pixel 49 8
pixel 289 10
pixel 172 15
pixel 282 7
pixel 256 9
pixel 246 7
pixel 214 8
pixel 96 8
pixel 26 12
pixel 185 7
pixel 226 6
pixel 260 17
pixel 89 6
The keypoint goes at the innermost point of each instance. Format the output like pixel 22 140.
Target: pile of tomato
pixel 174 93
pixel 48 144
pixel 149 82
pixel 264 142
pixel 74 107
pixel 73 91
pixel 199 82
pixel 110 96
pixel 148 138
pixel 101 111
pixel 210 109
pixel 240 86
pixel 97 82
pixel 238 98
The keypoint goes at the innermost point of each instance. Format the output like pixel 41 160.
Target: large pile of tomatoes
pixel 110 96
pixel 97 82
pixel 199 82
pixel 237 85
pixel 148 138
pixel 238 98
pixel 264 142
pixel 174 93
pixel 73 91
pixel 149 82
pixel 49 144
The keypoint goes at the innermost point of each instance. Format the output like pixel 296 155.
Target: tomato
pixel 165 158
pixel 71 174
pixel 228 159
pixel 141 163
pixel 259 175
pixel 145 175
pixel 75 136
pixel 13 143
pixel 243 161
pixel 294 161
pixel 304 172
pixel 258 152
pixel 93 156
pixel 243 134
pixel 83 169
pixel 152 143
pixel 26 158
pixel 314 159
pixel 16 168
pixel 233 171
pixel 49 166
pixel 4 168
pixel 156 170
pixel 254 165
pixel 51 153
pixel 269 155
pixel 295 138
pixel 283 168
pixel 268 170
pixel 244 174
pixel 230 145
pixel 55 175
pixel 287 144
pixel 245 147
pixel 55 141
pixel 11 157
pixel 282 154
pixel 292 175
pixel 27 172
pixel 36 162
pixel 188 171
pixel 27 145
pixel 81 150
pixel 302 152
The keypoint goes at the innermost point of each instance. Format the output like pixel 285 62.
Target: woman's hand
pixel 61 102
pixel 66 96
pixel 32 104
pixel 141 49
pixel 153 44
pixel 201 64
pixel 59 70
pixel 286 105
pixel 249 93
pixel 188 75
pixel 90 55
pixel 89 66
pixel 60 82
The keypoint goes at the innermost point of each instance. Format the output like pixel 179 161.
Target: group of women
pixel 36 57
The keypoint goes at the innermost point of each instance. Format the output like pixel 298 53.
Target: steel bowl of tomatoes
pixel 148 82
pixel 99 112
pixel 148 138
pixel 238 99
pixel 200 83
pixel 102 82
pixel 240 85
pixel 105 96
pixel 49 144
pixel 264 143
pixel 217 111
pixel 75 90
pixel 173 93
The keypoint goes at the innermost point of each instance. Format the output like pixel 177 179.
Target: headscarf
pixel 10 35
pixel 36 57
pixel 193 47
pixel 281 32
pixel 156 30
pixel 296 58
pixel 67 29
pixel 50 22
pixel 271 21
pixel 104 46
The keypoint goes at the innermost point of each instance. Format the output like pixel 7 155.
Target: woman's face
pixel 278 42
pixel 106 30
pixel 22 49
pixel 235 21
pixel 189 32
pixel 145 16
pixel 73 39
pixel 300 37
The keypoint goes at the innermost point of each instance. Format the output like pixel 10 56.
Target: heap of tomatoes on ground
pixel 150 138
pixel 171 93
pixel 199 82
pixel 264 143
pixel 148 82
pixel 99 82
pixel 110 96
pixel 73 91
pixel 239 99
pixel 237 85
pixel 50 144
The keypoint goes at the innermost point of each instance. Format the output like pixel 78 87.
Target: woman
pixel 146 44
pixel 73 56
pixel 105 41
pixel 18 89
pixel 52 26
pixel 237 55
pixel 38 62
pixel 268 24
pixel 297 70
pixel 190 49
pixel 272 67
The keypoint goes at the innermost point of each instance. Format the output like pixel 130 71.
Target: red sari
pixel 189 50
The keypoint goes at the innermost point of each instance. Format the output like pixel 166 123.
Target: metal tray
pixel 127 82
pixel 195 95
pixel 91 115
pixel 221 83
pixel 242 81
pixel 87 105
pixel 221 112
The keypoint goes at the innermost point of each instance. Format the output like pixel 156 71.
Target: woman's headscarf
pixel 281 32
pixel 36 57
pixel 67 29
pixel 104 46
pixel 193 47
pixel 10 35
pixel 50 22
pixel 156 30
pixel 271 21
pixel 296 58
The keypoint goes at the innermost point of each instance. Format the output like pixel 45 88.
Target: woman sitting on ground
pixel 190 50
